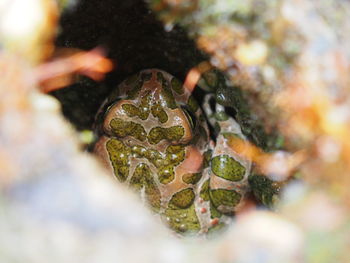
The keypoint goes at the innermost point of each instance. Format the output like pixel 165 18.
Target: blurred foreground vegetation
pixel 287 60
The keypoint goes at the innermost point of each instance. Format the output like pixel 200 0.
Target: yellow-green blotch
pixel 158 112
pixel 134 92
pixel 181 212
pixel 183 220
pixel 166 92
pixel 191 178
pixel 226 167
pixel 224 197
pixel 166 174
pixel 142 177
pixel 173 133
pixel 128 128
pixel 183 199
pixel 119 156
pixel 207 156
pixel 142 111
pixel 175 154
pixel 204 193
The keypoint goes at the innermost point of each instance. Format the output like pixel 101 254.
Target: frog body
pixel 154 137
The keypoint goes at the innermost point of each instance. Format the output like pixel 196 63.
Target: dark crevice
pixel 133 38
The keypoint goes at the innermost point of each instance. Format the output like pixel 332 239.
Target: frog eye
pixel 192 119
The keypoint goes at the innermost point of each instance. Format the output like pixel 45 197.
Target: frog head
pixel 151 110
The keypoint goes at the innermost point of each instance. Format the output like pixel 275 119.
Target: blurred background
pixel 281 70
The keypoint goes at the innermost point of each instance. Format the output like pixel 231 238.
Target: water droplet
pixel 168 27
pixel 183 227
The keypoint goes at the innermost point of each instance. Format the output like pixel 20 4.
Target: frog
pixel 153 136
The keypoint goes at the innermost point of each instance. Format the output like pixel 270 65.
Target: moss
pixel 264 189
pixel 210 78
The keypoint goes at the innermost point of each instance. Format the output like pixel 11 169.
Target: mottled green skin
pixel 191 178
pixel 142 177
pixel 119 156
pixel 182 200
pixel 137 82
pixel 148 149
pixel 174 156
pixel 183 220
pixel 205 195
pixel 228 168
pixel 181 211
pixel 159 112
pixel 142 111
pixel 166 92
pixel 157 134
pixel 128 128
pixel 224 197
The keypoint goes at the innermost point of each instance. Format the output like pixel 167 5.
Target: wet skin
pixel 153 136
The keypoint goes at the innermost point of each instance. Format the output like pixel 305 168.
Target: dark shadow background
pixel 134 39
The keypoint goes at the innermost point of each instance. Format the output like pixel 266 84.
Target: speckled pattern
pixel 154 137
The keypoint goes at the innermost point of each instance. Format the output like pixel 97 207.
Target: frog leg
pixel 229 167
